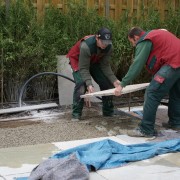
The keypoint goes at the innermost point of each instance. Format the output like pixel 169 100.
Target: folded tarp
pixel 106 153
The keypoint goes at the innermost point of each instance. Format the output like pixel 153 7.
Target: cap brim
pixel 106 42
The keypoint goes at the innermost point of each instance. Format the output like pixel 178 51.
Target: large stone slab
pixel 66 87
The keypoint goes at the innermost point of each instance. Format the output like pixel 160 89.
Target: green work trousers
pixel 165 82
pixel 80 88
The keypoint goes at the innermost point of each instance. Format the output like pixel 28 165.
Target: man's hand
pixel 118 88
pixel 87 100
pixel 90 89
pixel 117 91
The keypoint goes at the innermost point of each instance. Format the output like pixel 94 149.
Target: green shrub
pixel 30 47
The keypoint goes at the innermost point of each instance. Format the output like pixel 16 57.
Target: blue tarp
pixel 106 153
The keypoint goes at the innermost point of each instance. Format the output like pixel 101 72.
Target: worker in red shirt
pixel 90 57
pixel 159 51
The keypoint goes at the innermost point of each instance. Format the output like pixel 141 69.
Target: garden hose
pixel 40 74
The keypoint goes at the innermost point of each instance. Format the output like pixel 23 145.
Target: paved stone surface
pixel 19 161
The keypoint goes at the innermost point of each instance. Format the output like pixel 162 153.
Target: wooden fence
pixel 113 8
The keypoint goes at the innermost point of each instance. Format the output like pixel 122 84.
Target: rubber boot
pixel 79 90
pixel 108 107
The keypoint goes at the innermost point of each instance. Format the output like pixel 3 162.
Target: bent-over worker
pixel 90 57
pixel 159 51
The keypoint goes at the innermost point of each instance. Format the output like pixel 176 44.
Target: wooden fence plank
pixel 40 9
pixel 116 7
pixel 101 7
pixel 107 8
pixel 161 8
pixel 139 6
pixel 91 4
pixel 118 10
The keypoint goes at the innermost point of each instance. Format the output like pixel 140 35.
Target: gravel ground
pixel 55 125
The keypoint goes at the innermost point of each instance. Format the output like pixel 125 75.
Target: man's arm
pixel 106 68
pixel 141 55
pixel 84 63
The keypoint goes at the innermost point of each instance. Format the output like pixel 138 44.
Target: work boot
pixel 168 126
pixel 137 133
pixel 109 115
pixel 75 119
pixel 77 111
pixel 108 107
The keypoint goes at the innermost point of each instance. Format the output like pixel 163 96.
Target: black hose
pixel 44 73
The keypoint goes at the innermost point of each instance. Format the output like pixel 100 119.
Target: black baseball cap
pixel 105 35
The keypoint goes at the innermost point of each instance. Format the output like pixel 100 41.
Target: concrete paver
pixel 19 161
